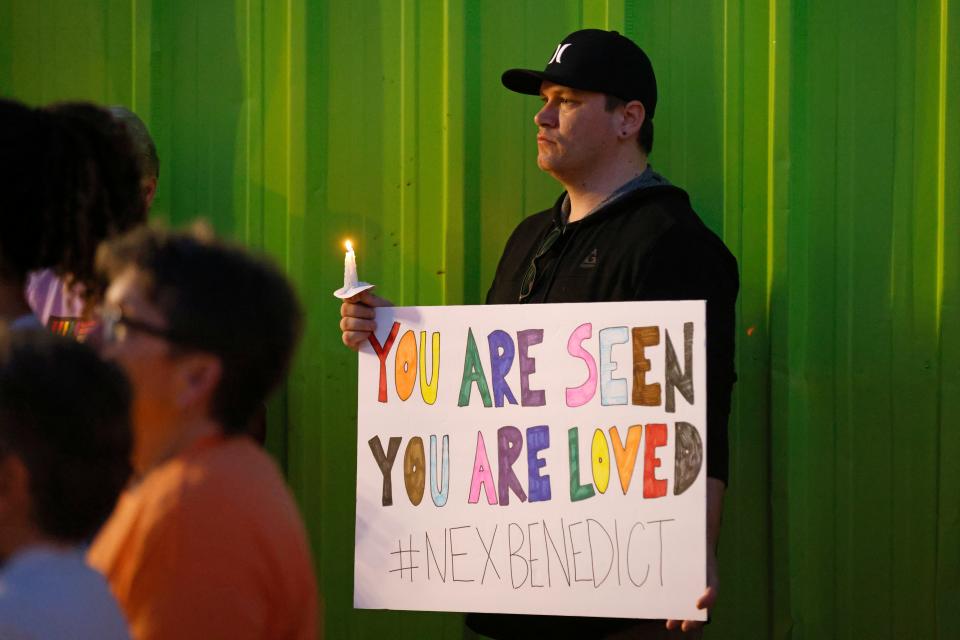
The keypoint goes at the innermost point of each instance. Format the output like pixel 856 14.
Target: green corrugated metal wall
pixel 820 138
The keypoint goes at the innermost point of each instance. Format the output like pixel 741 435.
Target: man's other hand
pixel 706 601
pixel 715 491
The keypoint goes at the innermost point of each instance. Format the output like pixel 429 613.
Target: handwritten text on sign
pixel 541 459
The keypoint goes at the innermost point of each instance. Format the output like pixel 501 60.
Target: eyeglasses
pixel 114 325
pixel 526 285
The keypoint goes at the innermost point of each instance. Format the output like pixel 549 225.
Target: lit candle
pixel 349 267
pixel 351 281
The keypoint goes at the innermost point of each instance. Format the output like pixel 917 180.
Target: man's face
pixel 575 133
pixel 149 364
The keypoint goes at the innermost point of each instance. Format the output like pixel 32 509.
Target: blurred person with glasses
pixel 207 542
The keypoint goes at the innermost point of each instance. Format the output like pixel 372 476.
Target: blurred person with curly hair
pixel 70 177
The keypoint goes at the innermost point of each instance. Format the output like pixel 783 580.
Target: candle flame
pixel 348 245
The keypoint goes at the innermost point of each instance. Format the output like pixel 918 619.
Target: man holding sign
pixel 619 232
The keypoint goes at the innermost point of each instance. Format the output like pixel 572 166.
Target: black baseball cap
pixel 594 60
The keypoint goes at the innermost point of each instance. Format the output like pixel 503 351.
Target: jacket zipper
pixel 563 252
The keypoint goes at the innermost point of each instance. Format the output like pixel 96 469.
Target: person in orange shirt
pixel 206 542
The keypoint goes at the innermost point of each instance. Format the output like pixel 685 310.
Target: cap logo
pixel 558 53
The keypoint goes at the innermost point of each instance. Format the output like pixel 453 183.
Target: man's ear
pixel 198 377
pixel 149 190
pixel 14 489
pixel 632 118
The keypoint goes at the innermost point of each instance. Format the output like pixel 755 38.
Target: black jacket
pixel 648 244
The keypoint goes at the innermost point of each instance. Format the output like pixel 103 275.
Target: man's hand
pixel 706 601
pixel 356 318
pixel 715 491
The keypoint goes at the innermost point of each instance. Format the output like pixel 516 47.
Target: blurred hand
pixel 356 317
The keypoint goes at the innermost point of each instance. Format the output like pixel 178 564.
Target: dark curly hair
pixel 65 413
pixel 69 178
pixel 25 134
pixel 99 184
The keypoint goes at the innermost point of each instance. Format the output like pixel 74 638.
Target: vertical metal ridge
pixel 940 265
pixel 288 133
pixel 630 19
pixel 771 129
pixel 247 123
pixel 941 162
pixel 840 360
pixel 472 144
pixel 262 123
pixel 445 152
pixel 894 236
pixel 891 336
pixel 725 92
pixel 133 56
pixel 403 150
pixel 835 397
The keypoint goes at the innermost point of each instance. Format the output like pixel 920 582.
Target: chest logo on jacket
pixel 590 261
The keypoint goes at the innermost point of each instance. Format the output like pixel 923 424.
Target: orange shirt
pixel 210 545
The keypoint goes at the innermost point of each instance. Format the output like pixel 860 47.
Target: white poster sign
pixel 544 459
